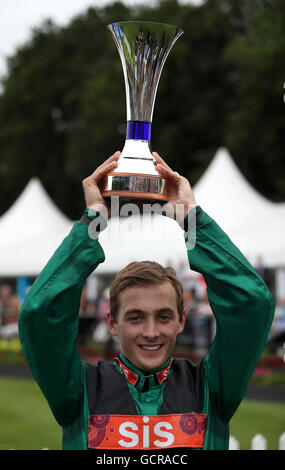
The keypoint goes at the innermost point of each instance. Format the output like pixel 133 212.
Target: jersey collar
pixel 133 375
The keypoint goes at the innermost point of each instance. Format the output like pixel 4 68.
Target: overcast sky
pixel 18 17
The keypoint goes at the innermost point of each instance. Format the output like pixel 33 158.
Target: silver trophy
pixel 143 48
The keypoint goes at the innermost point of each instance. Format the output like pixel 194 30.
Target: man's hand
pixel 178 190
pixel 93 184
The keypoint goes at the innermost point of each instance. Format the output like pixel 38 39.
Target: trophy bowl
pixel 143 48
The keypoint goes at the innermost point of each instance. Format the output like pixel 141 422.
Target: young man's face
pixel 147 324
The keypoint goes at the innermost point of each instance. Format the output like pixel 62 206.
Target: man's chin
pixel 150 360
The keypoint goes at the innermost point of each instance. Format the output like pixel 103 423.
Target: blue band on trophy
pixel 138 130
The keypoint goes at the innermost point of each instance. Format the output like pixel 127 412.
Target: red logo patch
pixel 146 432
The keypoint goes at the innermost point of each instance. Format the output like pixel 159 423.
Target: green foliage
pixel 11 351
pixel 62 109
pixel 255 128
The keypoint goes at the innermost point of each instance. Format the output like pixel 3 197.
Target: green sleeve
pixel 243 308
pixel 48 322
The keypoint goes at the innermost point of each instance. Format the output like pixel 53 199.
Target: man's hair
pixel 140 274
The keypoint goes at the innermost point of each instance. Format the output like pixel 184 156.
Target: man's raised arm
pixel 48 320
pixel 240 300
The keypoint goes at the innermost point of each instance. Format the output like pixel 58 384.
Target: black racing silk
pixel 108 392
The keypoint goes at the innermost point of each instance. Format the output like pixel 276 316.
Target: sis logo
pixel 146 432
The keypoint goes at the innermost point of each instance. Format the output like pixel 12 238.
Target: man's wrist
pixel 98 207
pixel 192 216
pixel 182 211
pixel 89 215
pixel 189 225
pixel 95 220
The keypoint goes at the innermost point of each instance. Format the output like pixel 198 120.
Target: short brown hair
pixel 144 273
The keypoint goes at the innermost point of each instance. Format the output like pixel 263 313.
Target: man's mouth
pixel 146 347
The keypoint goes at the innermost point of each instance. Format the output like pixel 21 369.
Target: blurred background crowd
pixel 200 326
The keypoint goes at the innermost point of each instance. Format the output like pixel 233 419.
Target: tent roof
pixel 226 195
pixel 30 231
pixel 255 224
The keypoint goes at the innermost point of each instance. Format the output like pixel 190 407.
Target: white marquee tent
pixel 32 229
pixel 30 232
pixel 255 224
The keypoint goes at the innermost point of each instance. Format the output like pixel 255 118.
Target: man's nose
pixel 150 329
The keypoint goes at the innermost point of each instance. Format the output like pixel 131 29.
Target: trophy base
pixel 130 186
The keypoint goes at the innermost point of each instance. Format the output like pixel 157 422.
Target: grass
pixel 256 417
pixel 28 424
pixel 26 421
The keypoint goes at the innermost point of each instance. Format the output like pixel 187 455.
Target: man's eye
pixel 164 317
pixel 134 318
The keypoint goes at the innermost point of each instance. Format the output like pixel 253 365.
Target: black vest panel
pixel 108 392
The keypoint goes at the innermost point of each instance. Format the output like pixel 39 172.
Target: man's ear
pixel 182 322
pixel 112 324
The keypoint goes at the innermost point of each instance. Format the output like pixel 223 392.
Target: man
pixel 146 399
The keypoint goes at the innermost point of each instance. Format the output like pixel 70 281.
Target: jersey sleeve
pixel 243 307
pixel 48 322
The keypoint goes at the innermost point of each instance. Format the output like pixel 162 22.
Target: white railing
pixel 258 442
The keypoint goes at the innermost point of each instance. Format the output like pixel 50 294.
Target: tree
pixel 62 109
pixel 256 119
